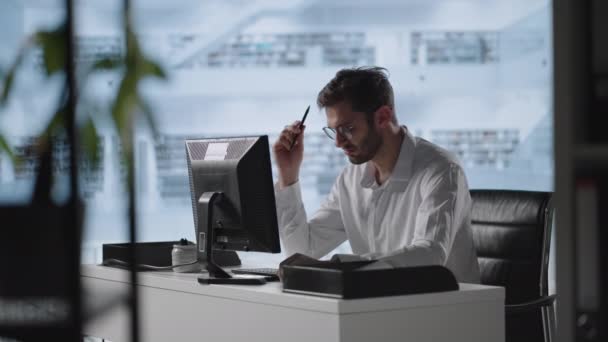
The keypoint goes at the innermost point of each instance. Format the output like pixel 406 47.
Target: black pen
pixel 300 126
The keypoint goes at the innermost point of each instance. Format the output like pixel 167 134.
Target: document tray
pixel 346 280
pixel 159 253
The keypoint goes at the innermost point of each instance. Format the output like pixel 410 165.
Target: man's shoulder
pixel 432 156
pixel 435 165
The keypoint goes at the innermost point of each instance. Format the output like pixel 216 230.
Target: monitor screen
pixel 232 191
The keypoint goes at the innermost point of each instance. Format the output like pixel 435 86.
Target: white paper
pixel 216 151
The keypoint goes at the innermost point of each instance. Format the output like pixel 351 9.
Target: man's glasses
pixel 345 132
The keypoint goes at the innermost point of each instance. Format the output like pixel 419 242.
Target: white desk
pixel 174 307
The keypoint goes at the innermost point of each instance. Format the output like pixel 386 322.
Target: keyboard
pixel 264 271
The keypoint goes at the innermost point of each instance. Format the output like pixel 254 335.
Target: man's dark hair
pixel 365 88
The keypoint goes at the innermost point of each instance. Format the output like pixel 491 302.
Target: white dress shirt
pixel 419 216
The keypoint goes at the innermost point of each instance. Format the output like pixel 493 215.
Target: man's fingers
pixel 285 139
pixel 293 130
pixel 294 127
pixel 300 133
pixel 288 135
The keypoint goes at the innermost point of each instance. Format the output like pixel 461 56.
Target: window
pixel 473 76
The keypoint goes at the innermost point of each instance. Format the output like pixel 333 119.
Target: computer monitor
pixel 232 199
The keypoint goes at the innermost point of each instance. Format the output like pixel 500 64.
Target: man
pixel 403 201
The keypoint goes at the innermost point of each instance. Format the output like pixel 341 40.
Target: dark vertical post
pixel 131 63
pixel 73 228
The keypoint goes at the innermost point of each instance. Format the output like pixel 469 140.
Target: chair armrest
pixel 531 305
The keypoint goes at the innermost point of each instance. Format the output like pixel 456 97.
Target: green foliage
pixel 107 64
pixel 88 138
pixel 7 83
pixel 135 67
pixel 53 44
pixel 4 146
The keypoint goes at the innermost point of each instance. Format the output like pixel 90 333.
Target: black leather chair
pixel 512 235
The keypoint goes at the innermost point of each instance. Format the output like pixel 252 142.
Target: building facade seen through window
pixel 472 76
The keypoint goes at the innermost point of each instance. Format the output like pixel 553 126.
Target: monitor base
pixel 205 245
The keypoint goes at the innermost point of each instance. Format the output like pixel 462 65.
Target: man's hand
pixel 289 159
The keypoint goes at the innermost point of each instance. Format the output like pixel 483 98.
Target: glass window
pixel 472 76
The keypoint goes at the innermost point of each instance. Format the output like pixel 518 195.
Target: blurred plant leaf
pixel 9 77
pixel 123 107
pixel 133 43
pixel 57 121
pixel 89 139
pixel 8 85
pixel 151 68
pixel 107 64
pixel 53 45
pixel 149 115
pixel 53 128
pixel 4 146
pixel 126 101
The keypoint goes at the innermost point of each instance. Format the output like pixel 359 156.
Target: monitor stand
pixel 216 275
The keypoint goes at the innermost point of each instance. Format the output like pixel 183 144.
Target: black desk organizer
pixel 159 254
pixel 347 281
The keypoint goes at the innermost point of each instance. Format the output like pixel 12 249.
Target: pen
pixel 300 126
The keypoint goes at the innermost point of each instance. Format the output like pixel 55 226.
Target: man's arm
pixel 325 231
pixel 445 200
pixel 317 237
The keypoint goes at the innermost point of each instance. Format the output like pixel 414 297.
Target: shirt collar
pixel 400 177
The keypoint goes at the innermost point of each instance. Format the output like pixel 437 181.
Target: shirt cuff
pixel 288 196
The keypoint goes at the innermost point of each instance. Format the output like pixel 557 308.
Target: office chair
pixel 512 235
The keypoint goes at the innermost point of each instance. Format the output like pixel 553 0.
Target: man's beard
pixel 367 148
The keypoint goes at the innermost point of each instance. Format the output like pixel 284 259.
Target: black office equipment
pixel 270 274
pixel 232 200
pixel 348 281
pixel 157 254
pixel 264 271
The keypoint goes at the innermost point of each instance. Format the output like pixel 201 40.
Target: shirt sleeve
pixel 317 237
pixel 444 199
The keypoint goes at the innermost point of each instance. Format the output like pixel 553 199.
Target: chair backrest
pixel 511 232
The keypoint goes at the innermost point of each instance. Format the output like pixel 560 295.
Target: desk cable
pixel 121 263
